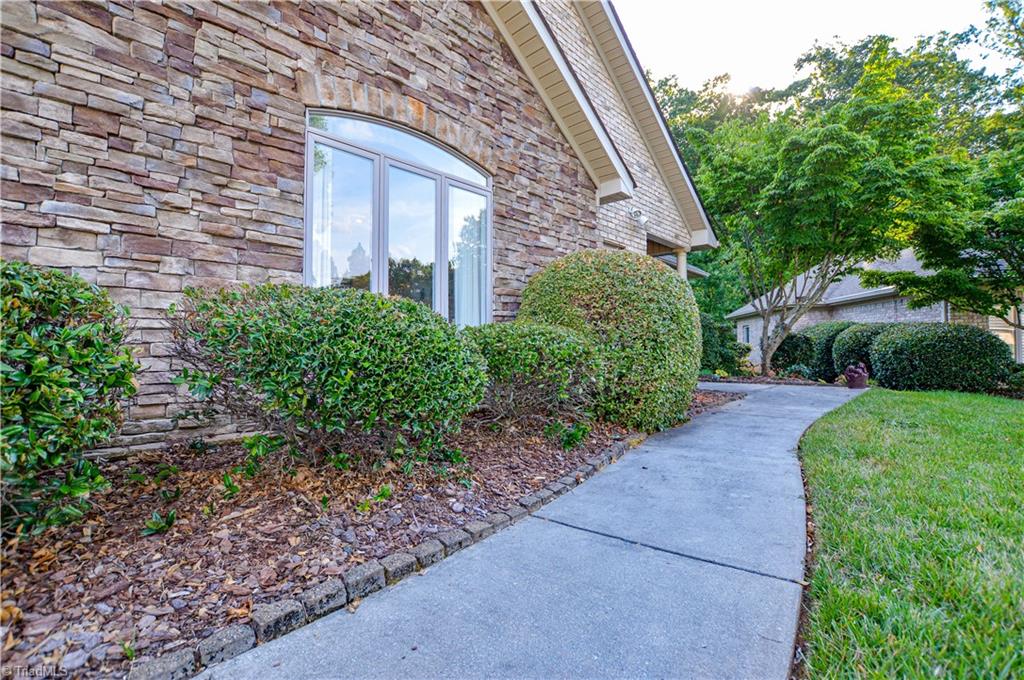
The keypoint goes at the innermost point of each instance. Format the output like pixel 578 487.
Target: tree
pixel 801 200
pixel 978 264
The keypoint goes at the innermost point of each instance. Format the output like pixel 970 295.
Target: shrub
pixel 799 371
pixel 325 369
pixel 537 370
pixel 719 349
pixel 65 370
pixel 853 346
pixel 643 320
pixel 822 336
pixel 940 356
pixel 796 348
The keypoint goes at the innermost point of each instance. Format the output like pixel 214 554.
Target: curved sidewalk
pixel 681 560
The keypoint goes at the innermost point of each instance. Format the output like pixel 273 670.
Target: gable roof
pixel 534 45
pixel 849 289
pixel 612 43
pixel 537 51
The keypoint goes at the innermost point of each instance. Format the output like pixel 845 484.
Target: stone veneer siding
pixel 148 146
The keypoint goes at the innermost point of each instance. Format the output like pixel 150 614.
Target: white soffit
pixel 529 38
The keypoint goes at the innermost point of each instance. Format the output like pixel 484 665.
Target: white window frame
pixel 379 232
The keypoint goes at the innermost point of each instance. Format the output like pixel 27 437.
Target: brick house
pixel 848 300
pixel 152 146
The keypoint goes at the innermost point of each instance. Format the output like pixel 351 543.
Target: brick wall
pixel 652 195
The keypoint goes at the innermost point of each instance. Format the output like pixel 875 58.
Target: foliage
pixel 978 265
pixel 853 346
pixel 917 503
pixel 159 524
pixel 65 370
pixel 326 369
pixel 569 437
pixel 644 322
pixel 940 356
pixel 822 336
pixel 800 371
pixel 796 348
pixel 537 370
pixel 719 349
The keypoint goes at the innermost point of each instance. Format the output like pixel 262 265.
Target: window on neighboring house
pixel 385 206
pixel 746 334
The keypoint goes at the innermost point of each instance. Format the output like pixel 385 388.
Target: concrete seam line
pixel 687 556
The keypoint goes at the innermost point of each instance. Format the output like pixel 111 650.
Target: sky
pixel 758 41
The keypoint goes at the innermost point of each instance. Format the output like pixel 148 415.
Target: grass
pixel 918 498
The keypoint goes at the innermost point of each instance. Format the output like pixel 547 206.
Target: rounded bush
pixel 318 366
pixel 853 346
pixel 642 318
pixel 822 336
pixel 940 356
pixel 65 370
pixel 719 349
pixel 537 370
pixel 796 348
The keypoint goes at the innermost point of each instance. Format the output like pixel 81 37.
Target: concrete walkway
pixel 682 560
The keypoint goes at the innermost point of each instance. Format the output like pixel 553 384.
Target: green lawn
pixel 918 500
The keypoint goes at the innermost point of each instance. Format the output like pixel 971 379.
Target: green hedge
pixel 644 321
pixel 940 356
pixel 719 349
pixel 319 367
pixel 853 346
pixel 65 370
pixel 796 348
pixel 537 370
pixel 822 336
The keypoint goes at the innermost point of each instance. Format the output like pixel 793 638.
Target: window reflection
pixel 342 216
pixel 467 231
pixel 412 215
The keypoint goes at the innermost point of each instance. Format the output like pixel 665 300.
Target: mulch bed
pixel 85 596
pixel 765 380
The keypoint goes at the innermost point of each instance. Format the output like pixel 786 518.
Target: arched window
pixel 385 206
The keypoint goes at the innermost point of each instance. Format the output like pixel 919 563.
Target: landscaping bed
pixel 89 594
pixel 917 512
pixel 762 380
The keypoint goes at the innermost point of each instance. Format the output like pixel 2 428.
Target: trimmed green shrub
pixel 65 370
pixel 643 320
pixel 800 371
pixel 822 336
pixel 537 370
pixel 796 348
pixel 327 371
pixel 719 349
pixel 853 346
pixel 940 356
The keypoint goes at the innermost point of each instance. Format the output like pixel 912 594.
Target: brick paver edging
pixel 270 620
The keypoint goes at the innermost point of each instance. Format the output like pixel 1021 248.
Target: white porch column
pixel 681 261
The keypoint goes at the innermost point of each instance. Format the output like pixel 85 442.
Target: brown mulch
pixel 765 380
pixel 83 595
pixel 706 400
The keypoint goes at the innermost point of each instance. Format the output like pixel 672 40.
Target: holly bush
pixel 328 371
pixel 853 346
pixel 65 370
pixel 822 336
pixel 642 318
pixel 537 370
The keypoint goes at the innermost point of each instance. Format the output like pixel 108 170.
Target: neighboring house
pixel 445 151
pixel 847 299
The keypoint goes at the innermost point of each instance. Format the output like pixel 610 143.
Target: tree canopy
pixel 876 149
